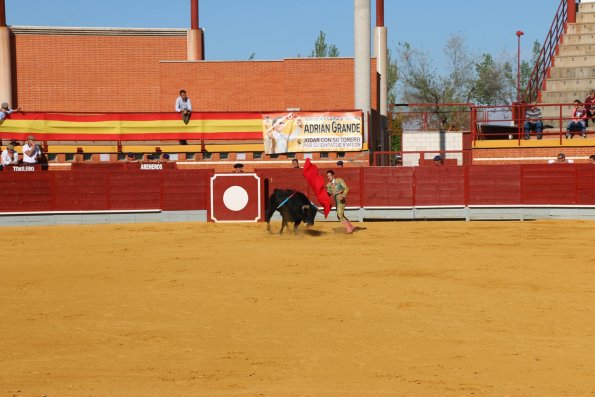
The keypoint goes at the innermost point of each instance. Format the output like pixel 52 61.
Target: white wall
pixel 431 142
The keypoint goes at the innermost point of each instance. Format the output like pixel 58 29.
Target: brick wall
pixel 86 73
pixel 306 83
pixel 86 70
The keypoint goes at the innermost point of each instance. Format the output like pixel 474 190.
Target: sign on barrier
pixel 235 198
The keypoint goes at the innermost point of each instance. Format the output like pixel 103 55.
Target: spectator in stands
pixel 340 163
pixel 578 121
pixel 239 167
pixel 338 189
pixel 295 163
pixel 5 110
pixel 561 159
pixel 589 102
pixel 31 151
pixel 184 106
pixel 165 157
pixel 9 155
pixel 533 121
pixel 592 159
pixel 131 157
pixel 438 160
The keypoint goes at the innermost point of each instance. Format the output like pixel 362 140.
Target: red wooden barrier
pixel 489 185
pixel 444 185
pixel 585 184
pixel 388 186
pixel 104 189
pixel 548 184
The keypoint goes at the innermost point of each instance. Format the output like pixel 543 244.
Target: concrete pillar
pixel 5 67
pixel 381 53
pixel 362 60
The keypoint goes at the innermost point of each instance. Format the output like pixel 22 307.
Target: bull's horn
pixel 304 207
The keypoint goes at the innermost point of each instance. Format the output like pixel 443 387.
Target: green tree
pixel 392 77
pixel 421 83
pixel 492 85
pixel 322 49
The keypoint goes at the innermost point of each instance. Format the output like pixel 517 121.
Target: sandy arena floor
pixel 397 309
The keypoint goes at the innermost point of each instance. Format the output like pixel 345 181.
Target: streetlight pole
pixel 518 67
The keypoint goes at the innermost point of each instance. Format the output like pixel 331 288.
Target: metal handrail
pixel 566 13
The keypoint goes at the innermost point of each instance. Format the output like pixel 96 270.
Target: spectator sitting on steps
pixel 533 121
pixel 578 121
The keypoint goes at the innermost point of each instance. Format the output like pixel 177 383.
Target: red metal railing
pixel 481 122
pixel 566 13
pixel 507 122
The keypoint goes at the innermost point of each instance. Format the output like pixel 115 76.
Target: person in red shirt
pixel 578 121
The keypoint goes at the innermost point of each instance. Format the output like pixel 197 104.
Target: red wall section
pixel 109 188
pixel 105 189
pixel 29 191
pixel 585 184
pixel 86 191
pixel 548 184
pixel 134 190
pixel 388 186
pixel 494 185
pixel 185 190
pixel 444 185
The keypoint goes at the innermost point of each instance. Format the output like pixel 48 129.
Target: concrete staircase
pixel 573 72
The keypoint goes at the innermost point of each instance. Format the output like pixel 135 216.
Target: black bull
pixel 293 206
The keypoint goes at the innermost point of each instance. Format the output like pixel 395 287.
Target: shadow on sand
pixel 341 230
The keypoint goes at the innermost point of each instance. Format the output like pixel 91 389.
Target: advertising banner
pixel 312 132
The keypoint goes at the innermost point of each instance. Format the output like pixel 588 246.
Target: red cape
pixel 317 184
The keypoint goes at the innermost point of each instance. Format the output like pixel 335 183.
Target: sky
pixel 277 29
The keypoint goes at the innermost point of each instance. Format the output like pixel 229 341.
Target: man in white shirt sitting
pixel 184 106
pixel 9 155
pixel 31 152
